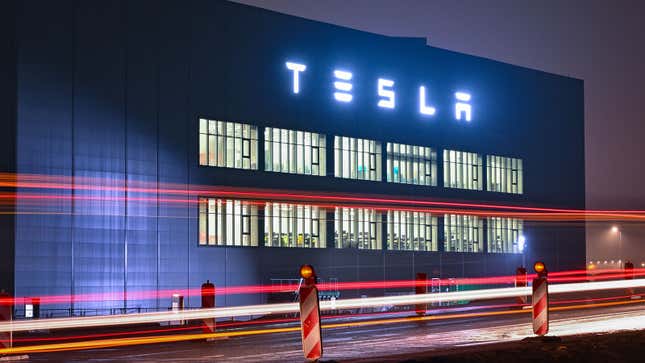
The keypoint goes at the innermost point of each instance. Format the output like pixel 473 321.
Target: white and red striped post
pixel 540 300
pixel 6 310
pixel 310 315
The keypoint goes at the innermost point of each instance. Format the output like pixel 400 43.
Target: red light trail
pixel 559 277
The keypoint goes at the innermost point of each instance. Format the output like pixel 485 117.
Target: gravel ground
pixel 595 348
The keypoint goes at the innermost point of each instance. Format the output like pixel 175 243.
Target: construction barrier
pixel 540 301
pixel 310 315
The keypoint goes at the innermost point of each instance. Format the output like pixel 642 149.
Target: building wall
pixel 111 92
pixel 7 141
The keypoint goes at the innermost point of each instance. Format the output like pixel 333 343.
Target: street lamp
pixel 615 229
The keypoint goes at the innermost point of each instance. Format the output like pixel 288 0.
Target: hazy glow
pixel 521 243
pixel 296 68
pixel 423 108
pixel 386 92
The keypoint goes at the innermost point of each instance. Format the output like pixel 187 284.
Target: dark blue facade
pixel 114 90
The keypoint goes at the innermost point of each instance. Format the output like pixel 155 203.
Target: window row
pixel 227 222
pixel 234 145
pixel 296 152
pixel 228 144
pixel 504 175
pixel 411 164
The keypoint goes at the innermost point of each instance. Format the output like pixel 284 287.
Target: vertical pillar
pixel 484 173
pixel 329 225
pixel 262 241
pixel 261 155
pixel 330 163
pixel 384 170
pixel 441 236
pixel 484 241
pixel 439 175
pixel 8 115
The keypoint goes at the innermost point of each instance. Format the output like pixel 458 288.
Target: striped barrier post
pixel 208 302
pixel 310 315
pixel 540 301
pixel 6 309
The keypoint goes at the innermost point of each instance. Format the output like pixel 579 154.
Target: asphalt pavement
pixel 369 343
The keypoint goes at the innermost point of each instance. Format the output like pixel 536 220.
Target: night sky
pixel 604 46
pixel 601 42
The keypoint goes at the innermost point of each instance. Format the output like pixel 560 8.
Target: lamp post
pixel 615 229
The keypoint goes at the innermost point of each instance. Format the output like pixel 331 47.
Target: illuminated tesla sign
pixel 385 90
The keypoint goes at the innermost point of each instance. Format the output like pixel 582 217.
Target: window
pixel 294 225
pixel 227 222
pixel 463 233
pixel 357 158
pixel 411 164
pixel 504 235
pixel 462 170
pixel 228 144
pixel 357 228
pixel 297 152
pixel 504 175
pixel 411 231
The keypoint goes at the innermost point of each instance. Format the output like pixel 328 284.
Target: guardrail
pixel 284 308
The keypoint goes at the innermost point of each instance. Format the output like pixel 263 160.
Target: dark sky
pixel 601 42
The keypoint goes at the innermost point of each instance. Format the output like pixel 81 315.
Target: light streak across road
pixel 588 324
pixel 284 308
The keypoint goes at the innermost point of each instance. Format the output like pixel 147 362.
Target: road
pixel 369 342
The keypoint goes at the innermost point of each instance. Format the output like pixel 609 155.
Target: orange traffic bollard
pixel 310 315
pixel 540 300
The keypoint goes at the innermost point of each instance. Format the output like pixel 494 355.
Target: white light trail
pixel 267 309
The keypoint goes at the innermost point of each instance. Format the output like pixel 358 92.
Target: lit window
pixel 357 228
pixel 294 225
pixel 227 222
pixel 228 144
pixel 504 175
pixel 504 235
pixel 411 231
pixel 357 158
pixel 297 152
pixel 462 170
pixel 411 164
pixel 462 233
